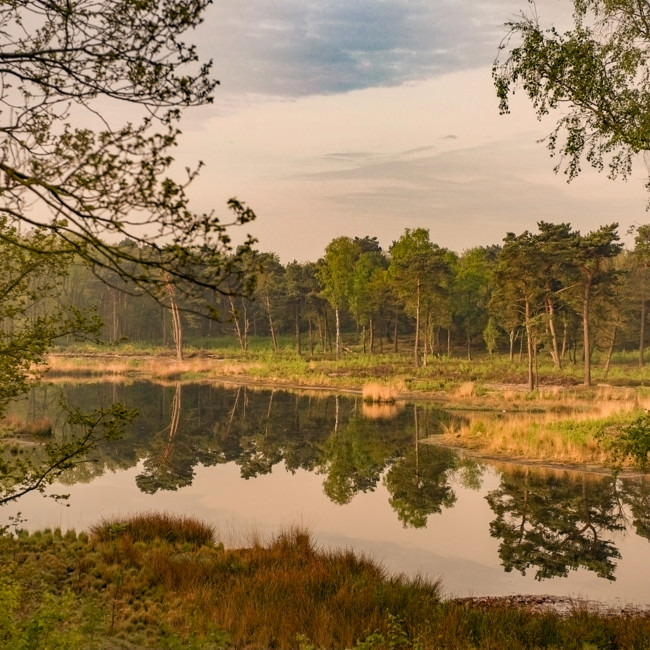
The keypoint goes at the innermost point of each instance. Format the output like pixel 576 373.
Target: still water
pixel 256 462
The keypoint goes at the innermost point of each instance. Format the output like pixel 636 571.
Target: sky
pixel 367 117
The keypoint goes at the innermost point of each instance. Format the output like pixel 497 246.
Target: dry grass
pixel 152 366
pixel 567 433
pixel 134 584
pixel 146 527
pixel 39 427
pixel 378 393
pixel 466 389
pixel 156 574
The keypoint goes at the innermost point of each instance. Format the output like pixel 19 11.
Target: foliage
pixel 80 183
pixel 25 469
pixel 31 319
pixel 630 441
pixel 68 166
pixel 596 77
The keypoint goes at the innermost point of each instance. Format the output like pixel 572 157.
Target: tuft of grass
pixel 547 436
pixel 36 428
pixel 147 527
pixel 378 393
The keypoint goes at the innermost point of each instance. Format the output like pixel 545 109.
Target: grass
pixel 156 581
pixel 571 431
pixel 559 421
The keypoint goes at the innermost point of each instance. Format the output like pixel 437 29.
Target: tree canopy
pixel 75 162
pixel 91 98
pixel 595 75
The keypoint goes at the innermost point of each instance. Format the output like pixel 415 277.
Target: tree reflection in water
pixel 165 469
pixel 548 522
pixel 556 522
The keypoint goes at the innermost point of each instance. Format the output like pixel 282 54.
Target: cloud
pixel 294 48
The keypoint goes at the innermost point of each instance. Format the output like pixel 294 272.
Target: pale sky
pixel 366 117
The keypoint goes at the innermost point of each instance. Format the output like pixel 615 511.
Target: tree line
pixel 552 292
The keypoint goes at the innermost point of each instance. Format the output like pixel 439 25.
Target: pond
pixel 257 462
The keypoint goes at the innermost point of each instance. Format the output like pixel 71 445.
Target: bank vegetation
pixel 158 581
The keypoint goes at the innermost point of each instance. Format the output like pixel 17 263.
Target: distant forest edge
pixel 553 294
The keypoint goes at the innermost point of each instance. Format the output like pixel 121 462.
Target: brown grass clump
pixel 466 389
pixel 377 393
pixel 264 596
pixel 146 527
pixel 38 428
pixel 115 591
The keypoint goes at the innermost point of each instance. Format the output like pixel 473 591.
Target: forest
pixel 554 292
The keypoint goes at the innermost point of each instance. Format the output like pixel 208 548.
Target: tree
pixel 642 256
pixel 368 291
pixel 598 74
pixel 270 289
pixel 593 250
pixel 78 179
pixel 337 277
pixel 67 166
pixel 471 291
pixel 556 244
pixel 30 320
pixel 518 290
pixel 419 273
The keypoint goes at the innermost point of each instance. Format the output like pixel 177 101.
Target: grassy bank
pixel 561 421
pixel 162 582
pixel 559 427
pixel 440 375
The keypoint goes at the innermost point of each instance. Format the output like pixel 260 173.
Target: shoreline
pixel 500 415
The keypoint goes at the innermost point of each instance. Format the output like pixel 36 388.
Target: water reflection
pixel 556 522
pixel 547 523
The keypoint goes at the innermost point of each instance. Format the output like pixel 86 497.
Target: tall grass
pixel 156 581
pixel 570 431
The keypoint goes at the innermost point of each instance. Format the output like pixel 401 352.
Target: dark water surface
pixel 256 462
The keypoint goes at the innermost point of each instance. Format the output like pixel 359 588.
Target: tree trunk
pixel 416 347
pixel 241 328
pixel 643 316
pixel 176 321
pixel 395 346
pixel 274 340
pixel 610 351
pixel 586 333
pixel 297 325
pixel 555 354
pixel 115 324
pixel 338 333
pixel 530 345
